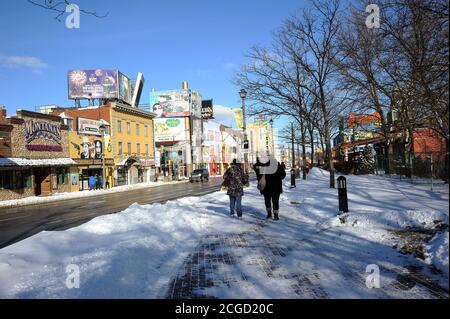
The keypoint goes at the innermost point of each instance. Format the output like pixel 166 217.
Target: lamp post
pixel 243 95
pixel 102 129
pixel 273 143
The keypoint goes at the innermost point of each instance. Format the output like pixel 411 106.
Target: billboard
pixel 196 103
pixel 170 129
pixel 197 131
pixel 137 90
pixel 168 104
pixel 176 103
pixel 207 109
pixel 92 84
pixel 125 93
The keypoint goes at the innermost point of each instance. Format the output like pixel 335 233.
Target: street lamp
pixel 243 95
pixel 271 129
pixel 102 129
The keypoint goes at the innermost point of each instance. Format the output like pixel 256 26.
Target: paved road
pixel 18 223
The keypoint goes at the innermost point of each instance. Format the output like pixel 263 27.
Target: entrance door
pixel 42 178
pixel 133 175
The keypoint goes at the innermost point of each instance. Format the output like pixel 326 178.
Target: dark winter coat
pixel 273 181
pixel 235 179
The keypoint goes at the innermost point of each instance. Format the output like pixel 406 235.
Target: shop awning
pixel 15 161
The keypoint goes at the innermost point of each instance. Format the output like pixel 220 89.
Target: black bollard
pixel 342 192
pixel 292 178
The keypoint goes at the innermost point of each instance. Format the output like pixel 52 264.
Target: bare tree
pixel 361 66
pixel 59 7
pixel 295 78
pixel 317 32
pixel 416 33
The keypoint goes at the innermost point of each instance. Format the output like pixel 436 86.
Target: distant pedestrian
pixel 108 183
pixel 97 181
pixel 270 185
pixel 92 182
pixel 234 180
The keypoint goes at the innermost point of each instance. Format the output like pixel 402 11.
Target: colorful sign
pixel 92 84
pixel 172 129
pixel 42 130
pixel 171 104
pixel 238 116
pixel 125 88
pixel 89 127
pixel 39 133
pixel 89 147
pixel 176 103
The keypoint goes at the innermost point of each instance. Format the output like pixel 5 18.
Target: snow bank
pixel 394 219
pixel 437 252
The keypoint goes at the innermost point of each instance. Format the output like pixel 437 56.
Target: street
pixel 18 223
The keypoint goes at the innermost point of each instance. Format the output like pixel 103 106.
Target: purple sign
pixel 92 84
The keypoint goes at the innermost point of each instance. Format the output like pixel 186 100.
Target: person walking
pixel 234 180
pixel 270 185
pixel 92 182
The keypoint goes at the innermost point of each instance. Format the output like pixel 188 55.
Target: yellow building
pixel 124 153
pixel 132 144
pixel 260 140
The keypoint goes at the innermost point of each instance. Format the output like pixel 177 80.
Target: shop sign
pixel 43 131
pixel 88 126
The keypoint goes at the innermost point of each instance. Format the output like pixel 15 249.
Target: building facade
pixel 34 156
pixel 126 144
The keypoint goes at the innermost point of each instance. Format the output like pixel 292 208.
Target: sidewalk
pixel 192 248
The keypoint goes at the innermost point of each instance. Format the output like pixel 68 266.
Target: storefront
pixel 132 170
pixel 34 156
pixel 93 156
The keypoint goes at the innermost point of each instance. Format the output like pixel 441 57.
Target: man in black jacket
pixel 270 186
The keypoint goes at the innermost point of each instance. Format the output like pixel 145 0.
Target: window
pixel 119 151
pixel 6 178
pixel 22 179
pixel 138 148
pixel 62 176
pixel 128 127
pixel 129 148
pixel 119 126
pixel 137 128
pixel 146 130
pixel 146 150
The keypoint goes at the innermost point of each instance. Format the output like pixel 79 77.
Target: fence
pixel 423 168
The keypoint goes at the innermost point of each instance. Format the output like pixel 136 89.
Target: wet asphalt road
pixel 18 223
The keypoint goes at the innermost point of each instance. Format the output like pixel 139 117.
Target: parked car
pixel 199 175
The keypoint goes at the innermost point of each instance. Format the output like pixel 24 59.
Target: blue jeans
pixel 236 201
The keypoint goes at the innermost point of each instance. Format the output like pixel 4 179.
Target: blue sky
pixel 201 41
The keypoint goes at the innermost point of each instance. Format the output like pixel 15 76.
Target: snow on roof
pixel 11 161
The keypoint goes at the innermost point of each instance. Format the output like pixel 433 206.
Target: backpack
pixel 262 183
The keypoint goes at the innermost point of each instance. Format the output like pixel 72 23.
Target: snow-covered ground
pixel 191 247
pixel 63 196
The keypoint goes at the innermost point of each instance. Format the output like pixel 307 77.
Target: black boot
pixel 269 213
pixel 275 215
